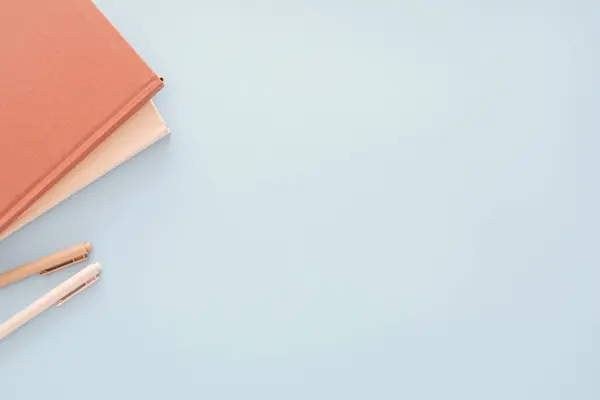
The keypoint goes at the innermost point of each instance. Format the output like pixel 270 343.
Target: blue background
pixel 361 199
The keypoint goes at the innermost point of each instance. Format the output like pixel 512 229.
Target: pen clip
pixel 64 265
pixel 77 290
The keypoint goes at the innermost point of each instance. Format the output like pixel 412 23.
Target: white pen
pixel 58 296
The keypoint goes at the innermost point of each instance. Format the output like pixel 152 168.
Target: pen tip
pixel 88 246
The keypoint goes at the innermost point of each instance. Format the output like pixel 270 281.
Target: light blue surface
pixel 360 200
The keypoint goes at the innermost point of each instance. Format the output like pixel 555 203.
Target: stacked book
pixel 75 102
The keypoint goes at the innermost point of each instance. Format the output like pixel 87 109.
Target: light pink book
pixel 140 131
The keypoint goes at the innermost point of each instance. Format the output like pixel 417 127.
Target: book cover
pixel 68 80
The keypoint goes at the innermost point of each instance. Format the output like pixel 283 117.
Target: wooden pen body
pixel 79 251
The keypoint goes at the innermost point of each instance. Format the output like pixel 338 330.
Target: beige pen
pixel 49 264
pixel 58 296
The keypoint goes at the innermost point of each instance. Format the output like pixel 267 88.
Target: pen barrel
pixel 22 317
pixel 63 290
pixel 53 260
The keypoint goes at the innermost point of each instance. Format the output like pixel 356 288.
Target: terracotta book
pixel 68 80
pixel 136 134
